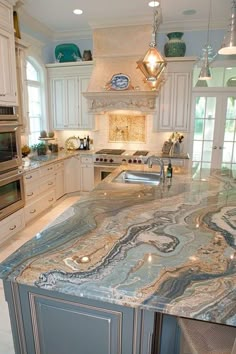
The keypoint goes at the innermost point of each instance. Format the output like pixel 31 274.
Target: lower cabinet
pixel 12 224
pixel 60 180
pixel 86 173
pixel 72 174
pixel 47 322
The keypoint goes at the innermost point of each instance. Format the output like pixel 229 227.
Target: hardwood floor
pixel 6 342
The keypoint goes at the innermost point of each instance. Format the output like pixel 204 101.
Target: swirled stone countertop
pixel 168 248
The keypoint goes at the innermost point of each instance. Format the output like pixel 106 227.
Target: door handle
pixel 221 147
pixel 214 147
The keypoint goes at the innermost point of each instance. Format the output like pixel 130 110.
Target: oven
pixel 102 171
pixel 10 154
pixel 11 193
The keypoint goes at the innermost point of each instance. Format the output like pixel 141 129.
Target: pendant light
pixel 205 73
pixel 153 64
pixel 228 46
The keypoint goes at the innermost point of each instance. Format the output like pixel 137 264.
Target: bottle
pixel 88 142
pixel 169 170
pixel 85 143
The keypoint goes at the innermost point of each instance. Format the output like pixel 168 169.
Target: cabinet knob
pixel 12 228
pixel 33 211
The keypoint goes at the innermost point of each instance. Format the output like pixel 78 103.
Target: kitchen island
pixel 94 280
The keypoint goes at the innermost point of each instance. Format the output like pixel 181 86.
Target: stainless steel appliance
pixel 106 160
pixel 11 193
pixel 10 154
pixel 8 113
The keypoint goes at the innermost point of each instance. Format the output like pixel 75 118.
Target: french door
pixel 214 131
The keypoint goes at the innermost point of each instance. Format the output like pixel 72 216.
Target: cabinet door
pixel 64 101
pixel 180 101
pixel 58 103
pixel 72 105
pixel 85 121
pixel 7 69
pixel 174 103
pixel 72 175
pixel 60 190
pixel 87 178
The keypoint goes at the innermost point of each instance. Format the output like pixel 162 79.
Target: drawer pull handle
pixel 50 168
pixel 50 183
pixel 50 200
pixel 30 194
pixel 32 211
pixel 12 228
pixel 2 95
pixel 29 177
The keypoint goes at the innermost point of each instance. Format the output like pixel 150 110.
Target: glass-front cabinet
pixel 214 121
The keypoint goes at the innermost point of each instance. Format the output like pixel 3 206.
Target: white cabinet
pixel 7 56
pixel 72 174
pixel 60 181
pixel 40 191
pixel 87 173
pixel 12 224
pixel 68 107
pixel 175 97
pixel 64 102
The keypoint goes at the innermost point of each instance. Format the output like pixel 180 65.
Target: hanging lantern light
pixel 228 46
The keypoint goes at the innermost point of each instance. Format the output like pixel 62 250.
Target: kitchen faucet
pixel 158 161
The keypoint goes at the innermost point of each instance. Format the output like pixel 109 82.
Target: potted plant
pixel 25 150
pixel 41 148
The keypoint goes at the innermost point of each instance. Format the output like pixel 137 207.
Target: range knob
pixel 139 161
pixel 129 161
pixel 134 161
pixel 97 159
pixel 124 160
pixel 101 159
pixel 111 160
pixel 105 160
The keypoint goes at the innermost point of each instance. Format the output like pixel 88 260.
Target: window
pixel 34 76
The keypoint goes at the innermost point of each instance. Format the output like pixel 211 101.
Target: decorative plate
pixel 118 82
pixel 72 143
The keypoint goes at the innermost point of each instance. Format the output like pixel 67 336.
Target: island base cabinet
pixel 45 322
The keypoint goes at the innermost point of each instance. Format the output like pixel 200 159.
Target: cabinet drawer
pixel 46 170
pixel 12 224
pixel 31 191
pixel 47 183
pixel 37 207
pixel 6 18
pixel 86 159
pixel 31 177
pixel 59 166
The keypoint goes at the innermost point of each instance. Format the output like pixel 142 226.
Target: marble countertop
pixel 39 161
pixel 169 248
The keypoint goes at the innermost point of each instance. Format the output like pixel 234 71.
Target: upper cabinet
pixel 7 56
pixel 68 107
pixel 175 96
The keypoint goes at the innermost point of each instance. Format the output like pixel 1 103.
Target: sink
pixel 138 177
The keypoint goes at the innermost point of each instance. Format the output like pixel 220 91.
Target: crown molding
pixel 82 33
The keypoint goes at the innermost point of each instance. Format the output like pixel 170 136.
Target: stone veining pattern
pixel 169 248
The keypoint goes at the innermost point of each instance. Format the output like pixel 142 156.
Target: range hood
pixel 116 51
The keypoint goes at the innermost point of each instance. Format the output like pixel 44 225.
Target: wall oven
pixel 10 154
pixel 11 193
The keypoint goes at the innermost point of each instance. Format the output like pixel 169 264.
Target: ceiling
pixel 57 17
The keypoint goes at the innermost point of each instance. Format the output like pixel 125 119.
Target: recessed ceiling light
pixel 189 12
pixel 153 3
pixel 77 11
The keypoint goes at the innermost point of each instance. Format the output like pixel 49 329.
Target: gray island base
pixel 115 271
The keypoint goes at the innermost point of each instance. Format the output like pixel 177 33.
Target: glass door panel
pixel 229 144
pixel 204 123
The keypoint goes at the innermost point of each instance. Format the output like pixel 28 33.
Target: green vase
pixel 175 47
